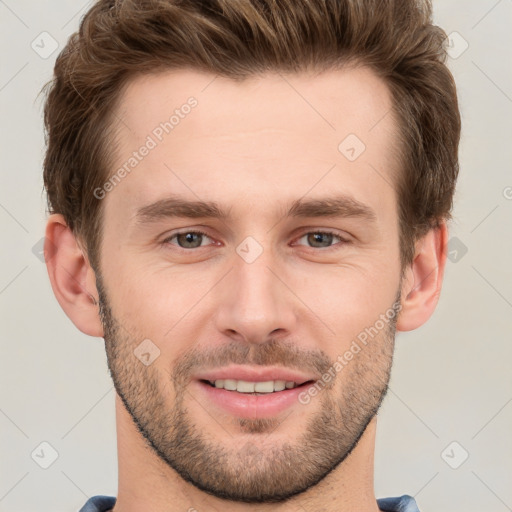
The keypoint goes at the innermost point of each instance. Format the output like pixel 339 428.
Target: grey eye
pixel 320 239
pixel 188 239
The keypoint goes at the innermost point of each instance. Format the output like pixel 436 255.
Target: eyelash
pixel 343 241
pixel 195 231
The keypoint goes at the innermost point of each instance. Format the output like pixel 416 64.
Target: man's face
pixel 263 295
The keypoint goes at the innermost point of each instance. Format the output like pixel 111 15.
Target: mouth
pixel 258 388
pixel 246 392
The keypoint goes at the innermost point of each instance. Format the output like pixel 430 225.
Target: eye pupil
pixel 317 237
pixel 188 238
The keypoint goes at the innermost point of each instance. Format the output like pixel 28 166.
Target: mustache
pixel 271 353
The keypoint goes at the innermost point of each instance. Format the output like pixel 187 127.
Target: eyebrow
pixel 339 206
pixel 177 207
pixel 169 207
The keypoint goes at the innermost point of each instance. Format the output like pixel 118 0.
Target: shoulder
pixel 403 503
pixel 99 503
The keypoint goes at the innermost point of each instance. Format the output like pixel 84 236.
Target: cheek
pixel 158 302
pixel 346 299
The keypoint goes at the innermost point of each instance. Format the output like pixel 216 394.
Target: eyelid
pixel 167 239
pixel 343 240
pixel 308 230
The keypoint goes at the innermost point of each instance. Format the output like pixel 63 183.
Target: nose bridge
pixel 254 303
pixel 254 286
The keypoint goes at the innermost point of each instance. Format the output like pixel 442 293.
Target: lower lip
pixel 245 405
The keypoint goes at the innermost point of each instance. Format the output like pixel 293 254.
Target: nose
pixel 255 304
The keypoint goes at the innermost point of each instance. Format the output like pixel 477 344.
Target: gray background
pixel 451 380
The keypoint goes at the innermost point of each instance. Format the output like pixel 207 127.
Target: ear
pixel 421 286
pixel 72 278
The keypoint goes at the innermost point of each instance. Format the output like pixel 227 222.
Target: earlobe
pixel 72 278
pixel 421 286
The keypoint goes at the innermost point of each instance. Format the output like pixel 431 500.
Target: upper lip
pixel 256 374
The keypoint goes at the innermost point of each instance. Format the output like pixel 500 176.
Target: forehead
pixel 277 134
pixel 352 97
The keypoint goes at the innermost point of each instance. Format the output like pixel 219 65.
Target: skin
pixel 253 147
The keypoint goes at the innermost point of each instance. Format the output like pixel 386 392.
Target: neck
pixel 147 483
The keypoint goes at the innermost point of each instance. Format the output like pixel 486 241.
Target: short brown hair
pixel 119 39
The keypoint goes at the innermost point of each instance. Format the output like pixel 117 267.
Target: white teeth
pixel 279 385
pixel 230 384
pixel 243 386
pixel 263 387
